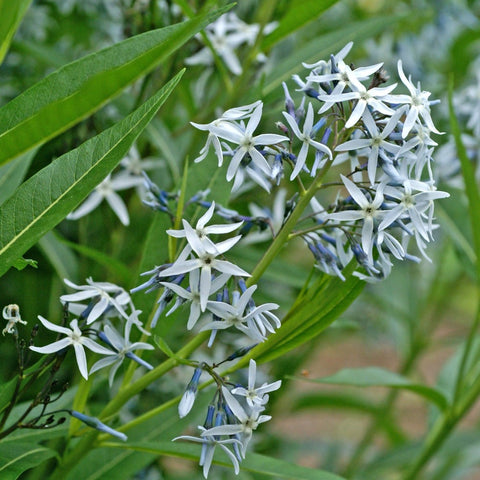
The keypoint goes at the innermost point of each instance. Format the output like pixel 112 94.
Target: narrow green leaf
pixel 12 174
pixel 163 346
pixel 60 256
pixel 6 393
pixel 11 14
pixel 47 197
pixel 77 90
pixel 253 462
pixel 16 458
pixel 325 45
pixel 471 187
pixel 319 306
pixel 298 15
pixel 112 264
pixel 379 377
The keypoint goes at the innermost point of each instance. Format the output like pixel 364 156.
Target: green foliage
pixel 17 457
pixel 77 90
pixel 379 377
pixel 87 114
pixel 47 197
pixel 255 463
pixel 11 14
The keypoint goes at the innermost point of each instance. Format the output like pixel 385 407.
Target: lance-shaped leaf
pixel 11 14
pixel 255 463
pixel 51 194
pixel 379 377
pixel 78 89
pixel 16 458
pixel 317 307
pixel 297 16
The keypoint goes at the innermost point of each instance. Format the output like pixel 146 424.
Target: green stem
pixel 86 443
pixel 283 236
pixel 466 354
pixel 442 427
pixel 446 422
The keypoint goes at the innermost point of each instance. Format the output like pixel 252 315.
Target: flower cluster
pixel 226 35
pixel 358 157
pixel 107 301
pixel 233 414
pixel 384 136
pixel 208 274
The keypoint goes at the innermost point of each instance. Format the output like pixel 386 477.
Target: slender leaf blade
pixel 471 187
pixel 298 15
pixel 253 462
pixel 76 90
pixel 380 377
pixel 11 14
pixel 60 256
pixel 320 305
pixel 47 197
pixel 16 458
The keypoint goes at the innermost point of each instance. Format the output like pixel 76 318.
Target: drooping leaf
pixel 112 264
pixel 78 89
pixel 379 377
pixel 11 14
pixel 16 458
pixel 47 197
pixel 255 463
pixel 298 15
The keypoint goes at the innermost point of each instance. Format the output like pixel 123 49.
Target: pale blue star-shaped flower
pixel 256 395
pixel 75 337
pixel 306 137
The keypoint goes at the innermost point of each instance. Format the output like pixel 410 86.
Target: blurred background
pixel 414 322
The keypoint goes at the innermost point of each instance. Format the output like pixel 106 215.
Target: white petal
pixel 81 360
pixel 53 327
pixel 53 347
pixel 92 201
pixel 118 206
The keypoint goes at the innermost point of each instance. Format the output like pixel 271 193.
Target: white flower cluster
pixel 209 273
pixel 391 143
pixel 233 418
pixel 226 35
pixel 385 136
pixel 106 301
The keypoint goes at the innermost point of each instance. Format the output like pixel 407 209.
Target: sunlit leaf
pixel 47 197
pixel 78 89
